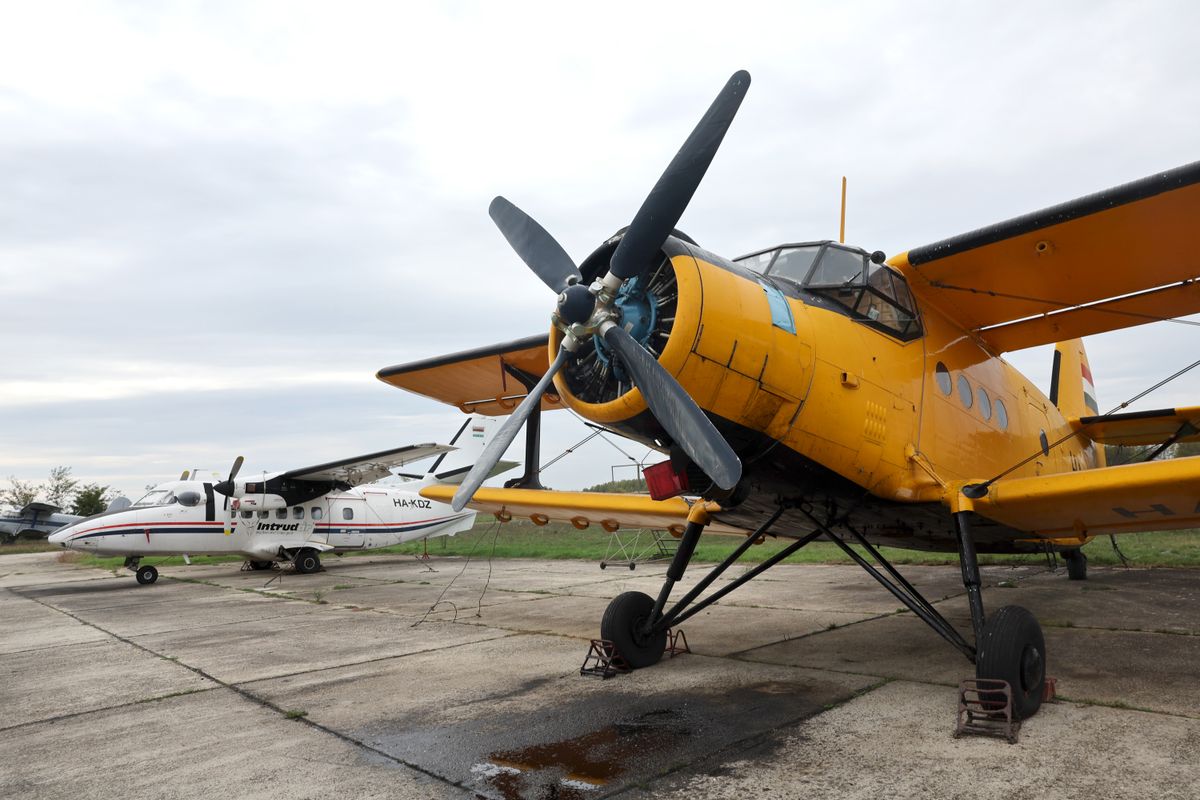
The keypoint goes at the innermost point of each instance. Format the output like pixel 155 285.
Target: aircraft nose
pixel 61 535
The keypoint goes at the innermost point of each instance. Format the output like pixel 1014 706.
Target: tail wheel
pixel 146 575
pixel 307 561
pixel 623 625
pixel 1012 648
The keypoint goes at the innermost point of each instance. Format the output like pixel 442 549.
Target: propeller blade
pixel 537 248
pixel 666 202
pixel 225 487
pixel 482 468
pixel 676 411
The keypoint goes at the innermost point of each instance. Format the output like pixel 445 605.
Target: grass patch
pixel 525 540
pixel 295 713
pixel 34 546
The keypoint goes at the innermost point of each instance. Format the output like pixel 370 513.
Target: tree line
pixel 61 490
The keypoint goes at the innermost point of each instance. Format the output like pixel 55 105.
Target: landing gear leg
pixel 1076 564
pixel 629 619
pixel 145 575
pixel 1010 645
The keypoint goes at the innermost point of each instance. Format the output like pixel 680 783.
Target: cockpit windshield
pixel 870 292
pixel 156 497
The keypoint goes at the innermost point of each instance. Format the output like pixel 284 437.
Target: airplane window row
pixel 969 396
pixel 316 512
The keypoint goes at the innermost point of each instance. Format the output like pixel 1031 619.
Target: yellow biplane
pixel 820 390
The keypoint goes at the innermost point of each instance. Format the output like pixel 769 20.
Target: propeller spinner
pixel 583 312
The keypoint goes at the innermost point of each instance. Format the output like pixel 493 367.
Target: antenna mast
pixel 842 234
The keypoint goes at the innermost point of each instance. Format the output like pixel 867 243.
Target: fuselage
pixel 831 402
pixel 362 518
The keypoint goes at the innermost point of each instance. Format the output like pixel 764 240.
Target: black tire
pixel 146 575
pixel 622 623
pixel 307 561
pixel 261 564
pixel 1012 648
pixel 1076 564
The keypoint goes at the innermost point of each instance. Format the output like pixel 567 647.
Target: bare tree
pixel 60 488
pixel 19 493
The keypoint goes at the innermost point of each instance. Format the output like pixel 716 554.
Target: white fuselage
pixel 362 518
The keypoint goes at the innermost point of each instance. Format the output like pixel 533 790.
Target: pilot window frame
pixel 856 296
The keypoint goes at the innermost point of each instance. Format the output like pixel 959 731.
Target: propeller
pixel 225 487
pixel 583 312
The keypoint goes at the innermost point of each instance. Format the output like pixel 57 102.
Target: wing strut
pixel 533 436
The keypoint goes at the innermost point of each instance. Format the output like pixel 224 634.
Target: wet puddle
pixel 574 769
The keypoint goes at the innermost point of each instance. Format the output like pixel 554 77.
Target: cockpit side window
pixel 873 292
pixel 838 267
pixel 156 497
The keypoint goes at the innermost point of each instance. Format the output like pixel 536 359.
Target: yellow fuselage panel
pixel 846 395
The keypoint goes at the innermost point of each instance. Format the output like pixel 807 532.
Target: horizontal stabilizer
pixel 1142 427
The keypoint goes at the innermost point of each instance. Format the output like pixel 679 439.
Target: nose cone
pixel 61 535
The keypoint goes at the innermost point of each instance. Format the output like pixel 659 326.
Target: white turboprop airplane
pixel 290 516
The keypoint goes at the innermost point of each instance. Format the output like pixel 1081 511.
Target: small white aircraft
pixel 292 516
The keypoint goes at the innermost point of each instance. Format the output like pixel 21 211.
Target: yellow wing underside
pixel 1122 257
pixel 1151 496
pixel 480 380
pixel 612 512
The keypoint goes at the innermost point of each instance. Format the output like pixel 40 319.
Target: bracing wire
pixel 981 488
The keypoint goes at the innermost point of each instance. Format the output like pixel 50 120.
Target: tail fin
pixel 470 440
pixel 1071 385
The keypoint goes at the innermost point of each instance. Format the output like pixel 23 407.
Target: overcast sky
pixel 218 220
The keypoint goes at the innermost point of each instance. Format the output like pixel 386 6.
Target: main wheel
pixel 1076 564
pixel 622 625
pixel 307 561
pixel 1012 648
pixel 260 564
pixel 146 575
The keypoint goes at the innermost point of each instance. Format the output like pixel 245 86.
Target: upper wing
pixel 1142 427
pixel 1150 496
pixel 1117 258
pixel 368 468
pixel 483 380
pixel 582 509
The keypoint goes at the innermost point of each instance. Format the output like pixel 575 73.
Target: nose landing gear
pixel 145 575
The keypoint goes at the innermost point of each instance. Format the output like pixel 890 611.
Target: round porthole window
pixel 943 378
pixel 1001 414
pixel 985 403
pixel 964 391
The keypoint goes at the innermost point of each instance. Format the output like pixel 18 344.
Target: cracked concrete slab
pixel 895 742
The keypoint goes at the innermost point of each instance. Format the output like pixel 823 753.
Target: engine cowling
pixel 710 324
